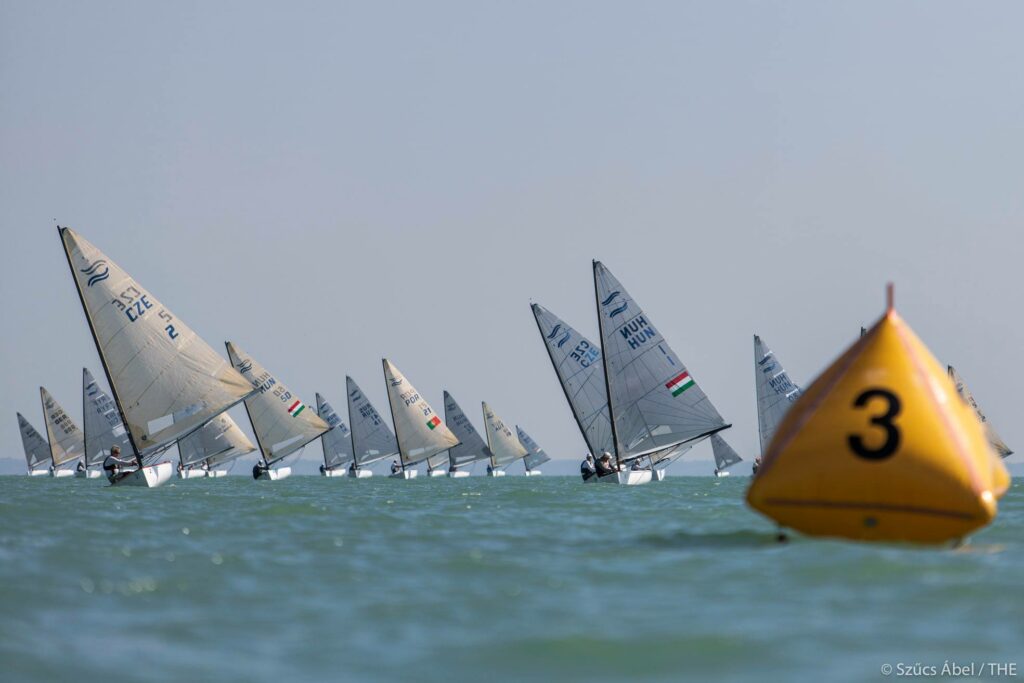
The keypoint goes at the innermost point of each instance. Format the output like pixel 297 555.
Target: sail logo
pixel 554 333
pixel 245 366
pixel 637 332
pixel 97 272
pixel 396 382
pixel 610 300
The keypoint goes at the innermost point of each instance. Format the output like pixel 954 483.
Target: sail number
pixel 884 422
pixel 135 304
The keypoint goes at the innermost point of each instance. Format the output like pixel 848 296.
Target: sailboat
pixel 37 451
pixel 998 445
pixel 420 431
pixel 472 447
pixel 157 367
pixel 219 442
pixel 535 456
pixel 504 445
pixel 66 442
pixel 279 418
pixel 372 439
pixel 775 391
pixel 102 427
pixel 336 442
pixel 653 401
pixel 724 454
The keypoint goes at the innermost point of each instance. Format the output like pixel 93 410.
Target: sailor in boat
pixel 489 468
pixel 258 469
pixel 587 469
pixel 323 468
pixel 753 469
pixel 352 468
pixel 395 467
pixel 114 465
pixel 81 466
pixel 205 467
pixel 181 467
pixel 637 465
pixel 604 465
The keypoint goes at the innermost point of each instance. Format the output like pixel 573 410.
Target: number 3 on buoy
pixel 883 421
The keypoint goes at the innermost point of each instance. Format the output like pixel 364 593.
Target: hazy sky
pixel 329 183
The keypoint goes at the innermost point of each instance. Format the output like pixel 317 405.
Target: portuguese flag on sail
pixel 434 422
pixel 679 383
pixel 296 408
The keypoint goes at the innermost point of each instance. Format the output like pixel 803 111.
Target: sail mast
pixel 99 349
pixel 391 404
pixel 604 363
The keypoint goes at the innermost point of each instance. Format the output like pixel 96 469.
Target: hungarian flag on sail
pixel 433 422
pixel 679 383
pixel 296 408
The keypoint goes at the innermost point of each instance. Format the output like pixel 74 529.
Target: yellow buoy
pixel 881 448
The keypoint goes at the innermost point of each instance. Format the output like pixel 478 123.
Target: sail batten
pixel 776 392
pixel 155 364
pixel 505 446
pixel 472 447
pixel 279 418
pixel 37 450
pixel 654 402
pixel 372 439
pixel 67 443
pixel 421 433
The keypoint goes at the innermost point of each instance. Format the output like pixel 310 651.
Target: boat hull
pixel 721 474
pixel 276 474
pixel 214 474
pixel 532 473
pixel 404 474
pixel 150 476
pixel 659 475
pixel 360 474
pixel 627 478
pixel 458 474
pixel 436 473
pixel 60 474
pixel 192 474
pixel 88 474
pixel 496 473
pixel 332 473
pixel 39 473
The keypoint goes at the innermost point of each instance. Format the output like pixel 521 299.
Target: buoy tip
pixel 890 295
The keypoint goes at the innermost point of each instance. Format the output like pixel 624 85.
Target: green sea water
pixel 477 579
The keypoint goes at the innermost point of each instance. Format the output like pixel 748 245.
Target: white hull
pixel 496 473
pixel 332 473
pixel 191 474
pixel 58 474
pixel 39 473
pixel 532 473
pixel 213 474
pixel 627 478
pixel 721 474
pixel 88 474
pixel 659 475
pixel 404 474
pixel 458 474
pixel 275 474
pixel 150 476
pixel 360 474
pixel 436 473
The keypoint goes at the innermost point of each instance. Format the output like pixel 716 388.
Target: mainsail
pixel 535 456
pixel 37 451
pixel 219 441
pixel 472 446
pixel 1000 447
pixel 577 362
pixel 723 452
pixel 280 420
pixel 504 445
pixel 337 443
pixel 156 366
pixel 420 431
pixel 372 439
pixel 66 441
pixel 103 428
pixel 775 391
pixel 654 402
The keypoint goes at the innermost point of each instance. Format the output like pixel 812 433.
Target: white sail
pixel 654 400
pixel 101 421
pixel 775 391
pixel 157 367
pixel 504 445
pixel 279 418
pixel 438 461
pixel 337 443
pixel 472 446
pixel 219 441
pixel 1000 447
pixel 372 439
pixel 66 441
pixel 535 456
pixel 577 362
pixel 37 451
pixel 421 432
pixel 724 454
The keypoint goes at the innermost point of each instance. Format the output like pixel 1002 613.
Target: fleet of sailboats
pixel 630 394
